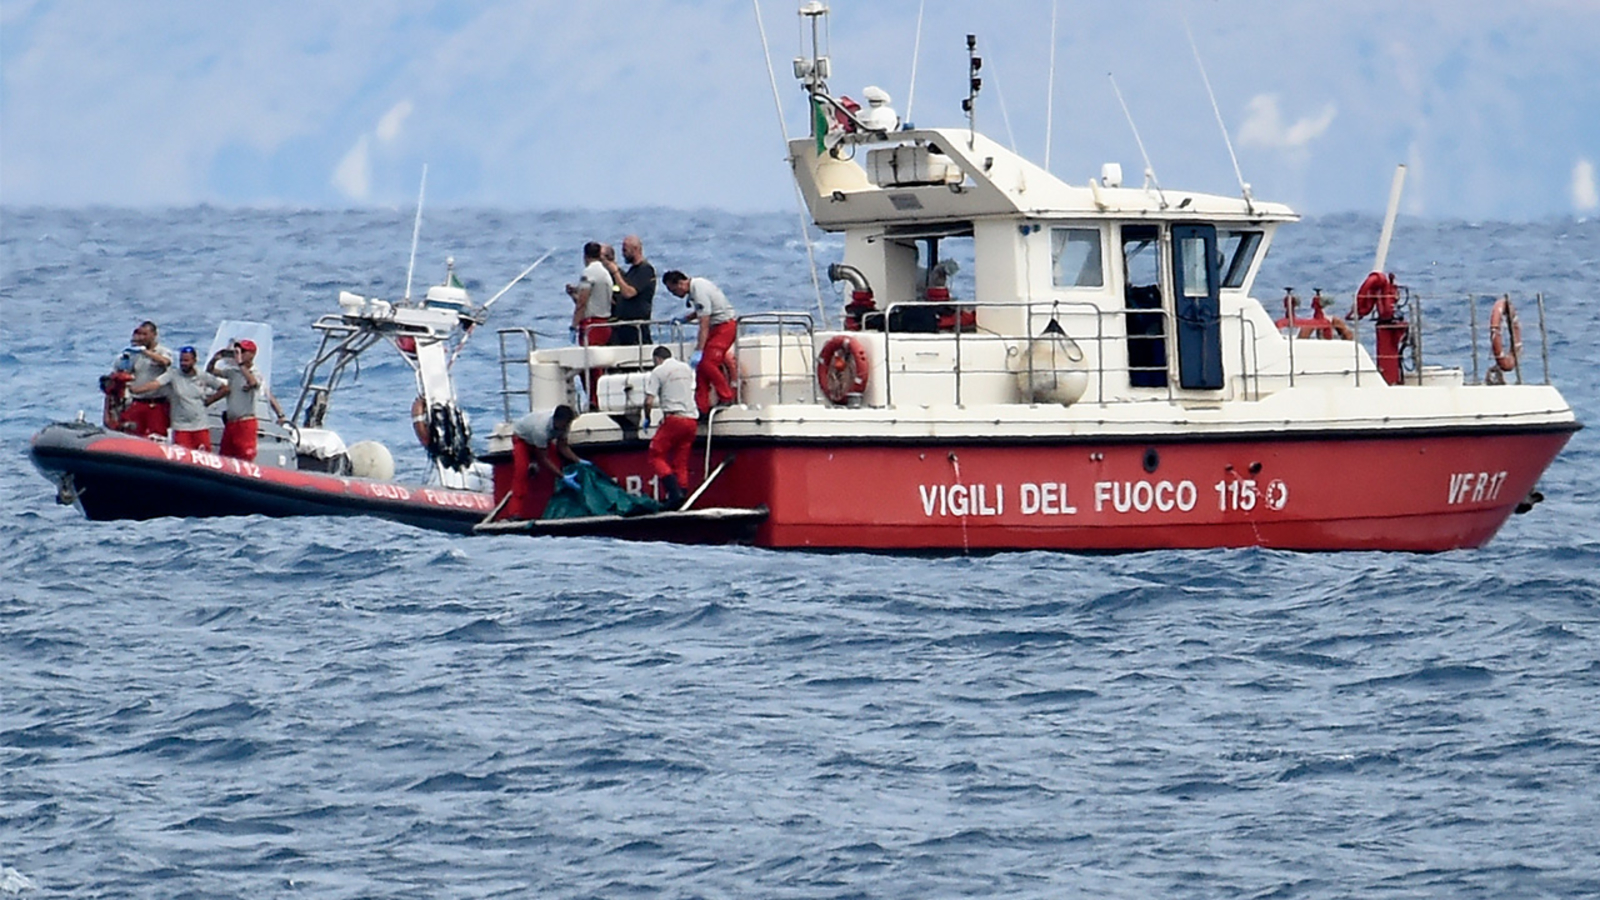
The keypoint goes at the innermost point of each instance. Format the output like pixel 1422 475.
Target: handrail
pixel 778 320
pixel 525 360
pixel 1263 363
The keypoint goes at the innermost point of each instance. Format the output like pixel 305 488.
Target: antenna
pixel 1050 89
pixel 815 71
pixel 1000 92
pixel 416 231
pixel 974 83
pixel 916 51
pixel 1149 170
pixel 1244 186
pixel 521 275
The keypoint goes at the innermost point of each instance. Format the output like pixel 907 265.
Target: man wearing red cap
pixel 241 390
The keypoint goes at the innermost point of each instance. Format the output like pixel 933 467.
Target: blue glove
pixel 571 481
pixel 694 359
pixel 679 320
pixel 585 462
pixel 573 334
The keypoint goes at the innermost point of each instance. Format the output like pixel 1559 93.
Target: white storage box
pixel 910 164
pixel 622 392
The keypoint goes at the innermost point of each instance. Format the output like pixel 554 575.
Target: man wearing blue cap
pixel 188 391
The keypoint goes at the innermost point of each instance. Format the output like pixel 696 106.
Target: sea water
pixel 351 708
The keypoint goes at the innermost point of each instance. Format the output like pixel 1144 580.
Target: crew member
pixel 635 296
pixel 591 299
pixel 671 385
pixel 540 442
pixel 591 310
pixel 146 416
pixel 243 386
pixel 715 367
pixel 188 392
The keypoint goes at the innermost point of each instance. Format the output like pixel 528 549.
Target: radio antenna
pixel 813 11
pixel 1050 89
pixel 916 51
pixel 1244 186
pixel 1149 170
pixel 416 231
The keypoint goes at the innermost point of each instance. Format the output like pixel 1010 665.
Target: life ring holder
pixel 1503 320
pixel 842 368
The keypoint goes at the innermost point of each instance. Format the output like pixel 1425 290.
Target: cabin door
pixel 1147 322
pixel 1197 307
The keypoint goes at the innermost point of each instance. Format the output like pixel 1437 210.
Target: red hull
pixel 120 477
pixel 1416 492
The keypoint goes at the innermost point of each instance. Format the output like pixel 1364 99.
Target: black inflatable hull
pixel 112 476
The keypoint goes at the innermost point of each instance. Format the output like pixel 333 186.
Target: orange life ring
pixel 419 420
pixel 1503 318
pixel 842 368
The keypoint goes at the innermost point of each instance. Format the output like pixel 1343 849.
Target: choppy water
pixel 346 708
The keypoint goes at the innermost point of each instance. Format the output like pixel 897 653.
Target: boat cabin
pixel 946 230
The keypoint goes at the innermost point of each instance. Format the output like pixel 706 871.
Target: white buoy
pixel 370 459
pixel 1053 369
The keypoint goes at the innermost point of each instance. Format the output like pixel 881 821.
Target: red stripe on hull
pixel 139 478
pixel 1417 493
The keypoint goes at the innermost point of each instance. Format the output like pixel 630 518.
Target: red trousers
pixel 148 417
pixel 715 367
pixel 594 333
pixel 199 439
pixel 524 464
pixel 669 449
pixel 239 439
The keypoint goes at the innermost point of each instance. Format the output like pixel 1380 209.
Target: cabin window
pixel 1192 254
pixel 1075 257
pixel 1238 251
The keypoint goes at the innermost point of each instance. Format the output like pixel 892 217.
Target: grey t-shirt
pixel 536 427
pixel 187 396
pixel 241 402
pixel 672 383
pixel 598 279
pixel 146 369
pixel 709 302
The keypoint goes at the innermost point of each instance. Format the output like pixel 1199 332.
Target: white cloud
pixel 353 175
pixel 389 126
pixel 1263 125
pixel 1585 197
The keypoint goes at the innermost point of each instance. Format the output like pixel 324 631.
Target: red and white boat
pixel 302 469
pixel 1102 380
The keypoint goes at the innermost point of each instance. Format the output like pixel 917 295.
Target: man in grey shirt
pixel 146 416
pixel 244 385
pixel 188 392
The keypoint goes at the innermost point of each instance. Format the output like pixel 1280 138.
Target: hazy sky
pixel 531 104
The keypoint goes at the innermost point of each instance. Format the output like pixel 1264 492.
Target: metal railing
pixel 1111 337
pixel 784 324
pixel 523 358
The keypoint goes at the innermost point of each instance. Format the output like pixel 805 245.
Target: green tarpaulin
pixel 597 495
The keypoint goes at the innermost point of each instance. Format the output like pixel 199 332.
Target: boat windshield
pixel 1238 251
